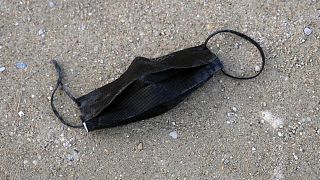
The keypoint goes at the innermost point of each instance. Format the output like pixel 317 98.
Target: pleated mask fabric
pixel 149 87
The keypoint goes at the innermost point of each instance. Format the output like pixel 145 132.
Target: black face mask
pixel 149 87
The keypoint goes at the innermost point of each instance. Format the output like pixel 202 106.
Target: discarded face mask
pixel 149 87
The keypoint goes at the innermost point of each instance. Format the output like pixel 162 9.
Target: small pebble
pixel 41 32
pixel 234 109
pixel 308 119
pixel 173 134
pixel 67 144
pixel 2 68
pixel 35 162
pixel 74 156
pixel 307 31
pixel 70 157
pixel 280 134
pixel 140 146
pixel 226 161
pixel 21 65
pixel 20 113
pixel 257 68
pixel 51 4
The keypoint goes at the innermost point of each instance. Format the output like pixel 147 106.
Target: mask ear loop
pixel 59 83
pixel 255 43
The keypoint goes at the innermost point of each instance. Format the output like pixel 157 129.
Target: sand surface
pixel 264 128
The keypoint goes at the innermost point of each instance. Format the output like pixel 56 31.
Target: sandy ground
pixel 265 128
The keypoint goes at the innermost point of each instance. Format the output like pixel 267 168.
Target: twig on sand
pixel 22 82
pixel 33 73
pixel 20 96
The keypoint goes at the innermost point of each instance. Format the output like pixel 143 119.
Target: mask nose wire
pixel 255 43
pixel 59 83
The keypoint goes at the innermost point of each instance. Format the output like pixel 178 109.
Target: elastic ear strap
pixel 256 44
pixel 59 83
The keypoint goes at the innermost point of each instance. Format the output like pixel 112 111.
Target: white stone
pixel 257 68
pixel 173 134
pixel 51 4
pixel 140 146
pixel 20 113
pixel 307 31
pixel 41 32
pixel 274 121
pixel 2 68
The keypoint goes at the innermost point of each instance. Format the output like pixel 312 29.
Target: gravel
pixel 20 113
pixel 2 68
pixel 140 146
pixel 51 4
pixel 307 31
pixel 257 68
pixel 21 65
pixel 173 134
pixel 274 133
